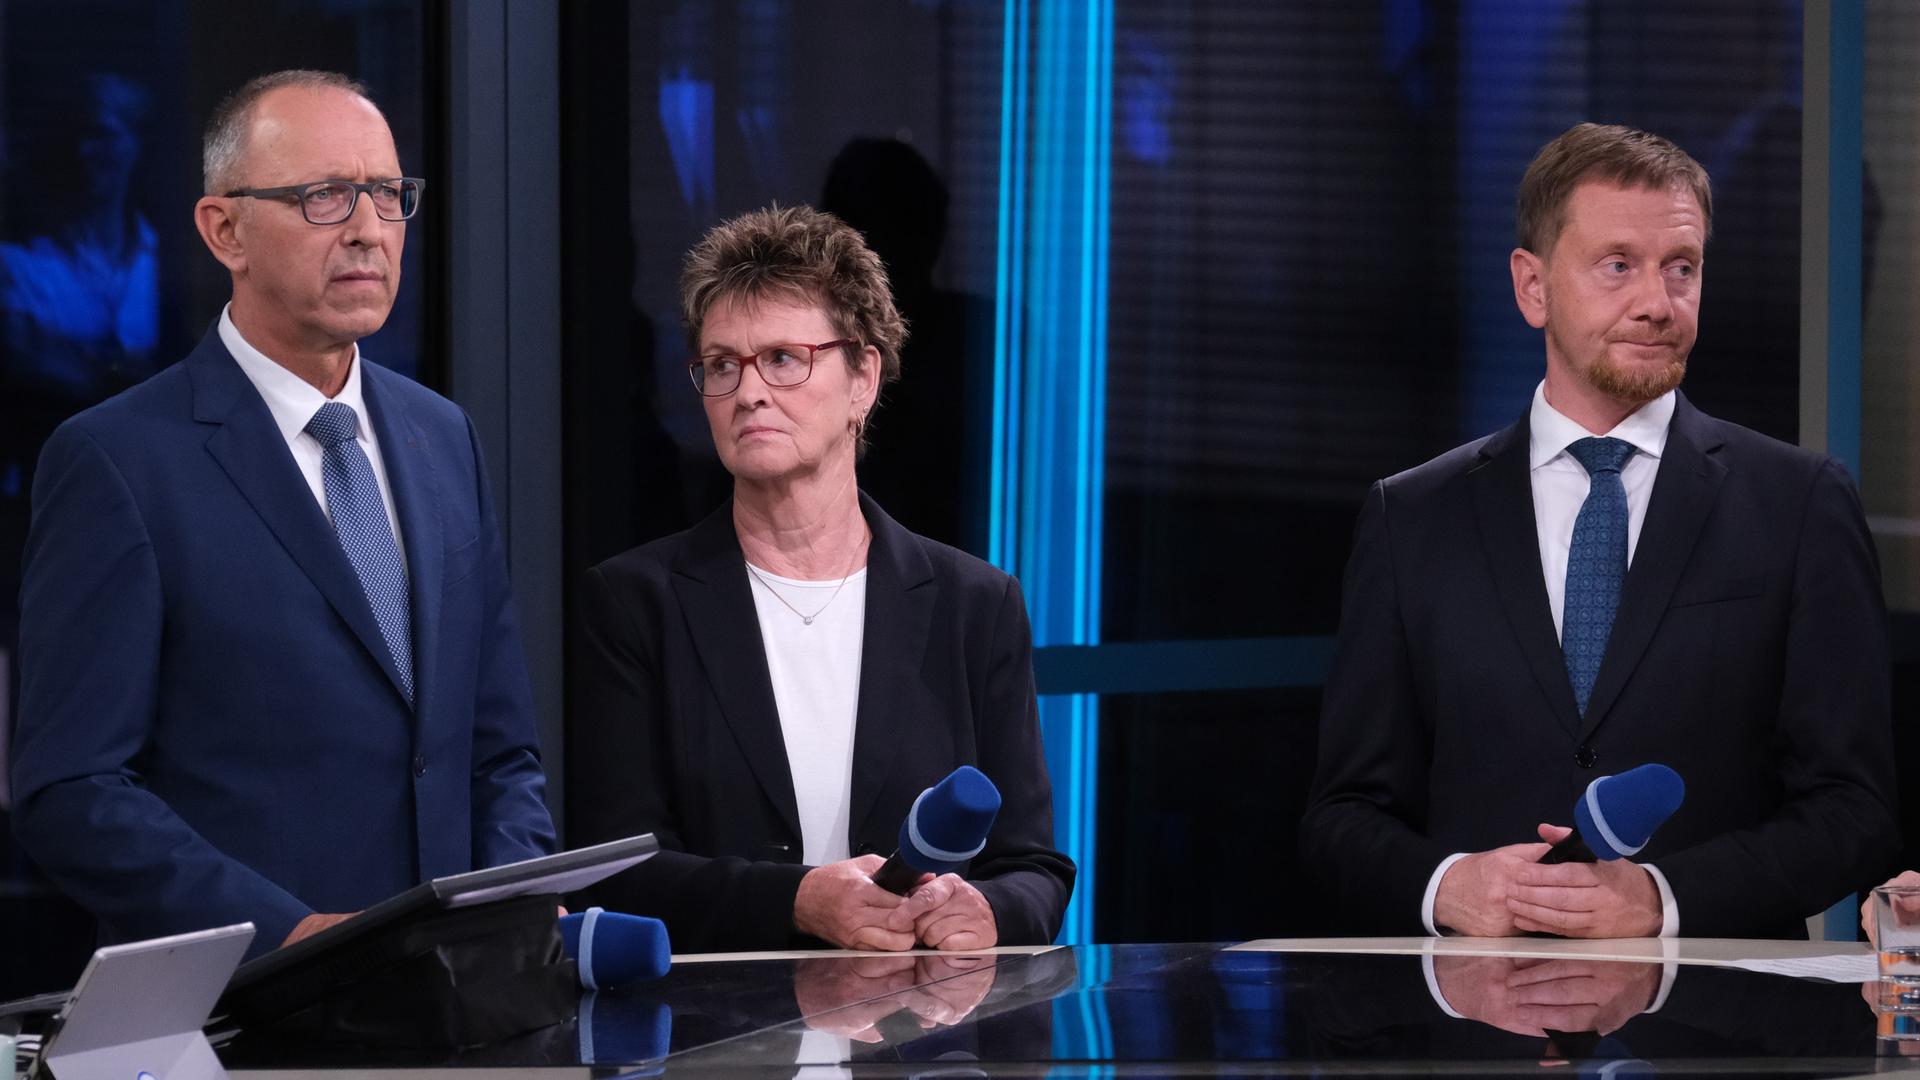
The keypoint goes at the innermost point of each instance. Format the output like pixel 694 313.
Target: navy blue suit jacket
pixel 211 728
pixel 673 730
pixel 1749 653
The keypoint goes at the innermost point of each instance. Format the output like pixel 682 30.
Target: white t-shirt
pixel 816 690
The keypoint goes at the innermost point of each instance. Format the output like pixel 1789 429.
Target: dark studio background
pixel 1311 209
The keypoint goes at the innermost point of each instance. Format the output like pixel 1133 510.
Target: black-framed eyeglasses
pixel 782 366
pixel 330 202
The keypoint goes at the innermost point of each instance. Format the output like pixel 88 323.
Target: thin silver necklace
pixel 806 619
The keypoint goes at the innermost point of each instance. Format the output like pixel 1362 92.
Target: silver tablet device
pixel 138 1008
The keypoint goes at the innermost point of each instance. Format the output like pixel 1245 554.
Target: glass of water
pixel 1896 917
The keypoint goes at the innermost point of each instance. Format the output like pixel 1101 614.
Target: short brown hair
pixel 226 136
pixel 797 253
pixel 1608 152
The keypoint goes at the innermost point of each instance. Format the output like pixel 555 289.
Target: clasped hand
pixel 1508 891
pixel 840 904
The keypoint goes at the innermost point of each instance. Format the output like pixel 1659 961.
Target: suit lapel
pixel 710 581
pixel 1503 505
pixel 249 447
pixel 900 596
pixel 409 467
pixel 1684 489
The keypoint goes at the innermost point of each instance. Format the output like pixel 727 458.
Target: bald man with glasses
pixel 270 668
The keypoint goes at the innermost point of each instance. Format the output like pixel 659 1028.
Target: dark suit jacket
pixel 211 728
pixel 1749 653
pixel 673 730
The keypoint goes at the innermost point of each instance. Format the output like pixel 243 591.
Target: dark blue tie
pixel 1596 564
pixel 360 519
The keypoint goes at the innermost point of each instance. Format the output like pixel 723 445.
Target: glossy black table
pixel 1177 1010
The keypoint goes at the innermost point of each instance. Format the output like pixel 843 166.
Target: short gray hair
pixel 226 137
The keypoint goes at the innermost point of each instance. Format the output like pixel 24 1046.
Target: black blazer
pixel 673 731
pixel 1749 653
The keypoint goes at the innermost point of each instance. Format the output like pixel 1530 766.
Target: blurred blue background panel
pixel 103 280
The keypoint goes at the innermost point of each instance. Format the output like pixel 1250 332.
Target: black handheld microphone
pixel 947 826
pixel 614 949
pixel 1617 815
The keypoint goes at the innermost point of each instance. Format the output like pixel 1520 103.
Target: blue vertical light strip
pixel 1047 502
pixel 1846 149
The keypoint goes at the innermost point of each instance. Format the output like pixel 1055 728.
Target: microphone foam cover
pixel 1618 814
pixel 614 949
pixel 949 821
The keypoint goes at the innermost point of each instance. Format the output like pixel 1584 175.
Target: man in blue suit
pixel 270 669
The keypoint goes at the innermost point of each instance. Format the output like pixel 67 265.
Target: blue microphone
pixel 947 826
pixel 1617 815
pixel 614 949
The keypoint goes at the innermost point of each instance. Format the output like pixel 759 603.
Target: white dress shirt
pixel 293 401
pixel 1560 485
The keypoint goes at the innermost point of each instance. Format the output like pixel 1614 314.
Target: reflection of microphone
pixel 1617 815
pixel 614 949
pixel 1610 1059
pixel 623 1031
pixel 947 826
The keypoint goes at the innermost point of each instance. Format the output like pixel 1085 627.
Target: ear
pixel 1529 286
pixel 218 220
pixel 866 381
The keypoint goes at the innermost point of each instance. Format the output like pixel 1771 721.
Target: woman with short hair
pixel 768 691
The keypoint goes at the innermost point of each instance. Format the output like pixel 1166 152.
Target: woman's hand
pixel 839 904
pixel 949 913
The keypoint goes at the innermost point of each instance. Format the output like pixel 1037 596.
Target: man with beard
pixel 270 669
pixel 1614 580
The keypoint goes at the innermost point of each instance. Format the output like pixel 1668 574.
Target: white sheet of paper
pixel 1848 968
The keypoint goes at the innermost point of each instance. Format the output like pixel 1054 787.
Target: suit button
pixel 864 849
pixel 419 764
pixel 1585 756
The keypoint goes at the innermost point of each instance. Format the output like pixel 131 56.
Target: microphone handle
pixel 1572 849
pixel 896 876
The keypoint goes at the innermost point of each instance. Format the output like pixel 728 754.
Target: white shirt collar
pixel 291 399
pixel 1550 432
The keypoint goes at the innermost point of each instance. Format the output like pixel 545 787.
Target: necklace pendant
pixel 806 620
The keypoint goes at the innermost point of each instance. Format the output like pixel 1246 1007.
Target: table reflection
pixel 851 997
pixel 1178 1009
pixel 1579 1011
pixel 1546 998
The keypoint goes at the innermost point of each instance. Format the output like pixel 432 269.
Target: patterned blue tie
pixel 360 518
pixel 1596 564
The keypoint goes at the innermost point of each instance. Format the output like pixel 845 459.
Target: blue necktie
pixel 360 519
pixel 1596 564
